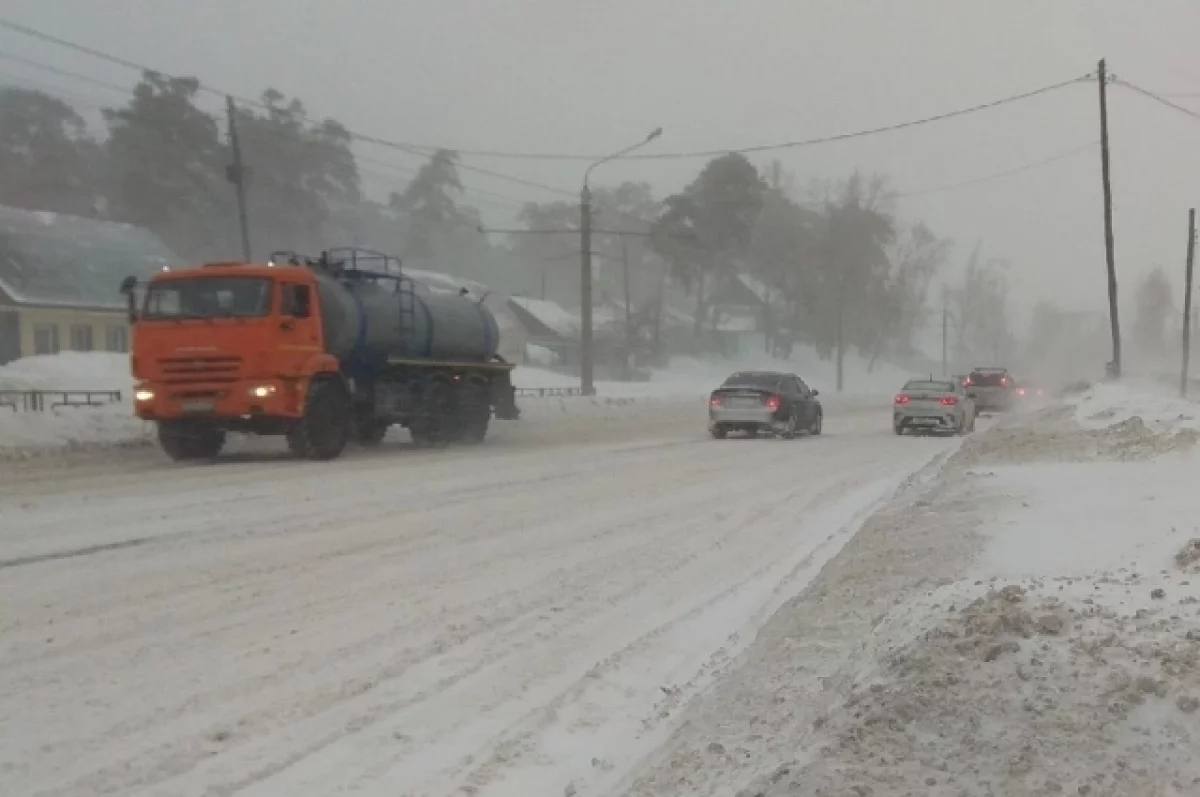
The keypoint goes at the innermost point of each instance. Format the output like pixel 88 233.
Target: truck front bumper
pixel 242 400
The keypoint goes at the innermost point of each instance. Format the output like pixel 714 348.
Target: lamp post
pixel 586 365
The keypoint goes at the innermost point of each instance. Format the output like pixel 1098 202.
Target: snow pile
pixel 1108 403
pixel 1020 692
pixel 68 370
pixel 70 427
pixel 1067 659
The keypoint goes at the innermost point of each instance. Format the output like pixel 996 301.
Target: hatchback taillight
pixel 949 401
pixel 774 403
pixel 903 398
pixel 715 403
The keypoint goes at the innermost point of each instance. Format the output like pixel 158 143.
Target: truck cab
pixel 229 340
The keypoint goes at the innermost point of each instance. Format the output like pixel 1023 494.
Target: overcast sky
pixel 585 76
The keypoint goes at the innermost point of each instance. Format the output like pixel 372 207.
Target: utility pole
pixel 236 173
pixel 586 375
pixel 586 371
pixel 945 368
pixel 628 320
pixel 1113 316
pixel 1187 304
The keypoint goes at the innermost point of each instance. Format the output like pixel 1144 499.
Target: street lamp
pixel 586 370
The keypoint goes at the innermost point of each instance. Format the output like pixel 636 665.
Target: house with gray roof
pixel 59 279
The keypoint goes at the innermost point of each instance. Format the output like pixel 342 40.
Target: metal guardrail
pixel 542 392
pixel 41 400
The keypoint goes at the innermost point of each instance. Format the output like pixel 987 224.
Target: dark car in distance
pixel 993 389
pixel 764 401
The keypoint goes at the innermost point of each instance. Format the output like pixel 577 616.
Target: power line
pixel 411 149
pixel 64 72
pixel 1157 98
pixel 251 132
pixel 714 153
pixel 425 150
pixel 1006 173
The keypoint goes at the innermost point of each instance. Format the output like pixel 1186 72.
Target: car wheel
pixel 789 432
pixel 815 429
pixel 898 428
pixel 718 431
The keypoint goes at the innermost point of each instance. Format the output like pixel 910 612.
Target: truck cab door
pixel 299 332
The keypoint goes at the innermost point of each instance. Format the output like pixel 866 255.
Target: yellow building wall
pixel 32 318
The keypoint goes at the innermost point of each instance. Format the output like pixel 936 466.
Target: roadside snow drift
pixel 70 427
pixel 1067 657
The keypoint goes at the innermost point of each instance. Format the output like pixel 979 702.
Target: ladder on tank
pixel 406 297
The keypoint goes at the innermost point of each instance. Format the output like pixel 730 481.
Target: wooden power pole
pixel 236 172
pixel 1113 315
pixel 1187 304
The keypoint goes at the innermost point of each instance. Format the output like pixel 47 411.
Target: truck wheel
pixel 325 428
pixel 475 425
pixel 475 412
pixel 182 440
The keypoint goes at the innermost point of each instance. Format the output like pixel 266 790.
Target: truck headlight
pixel 144 395
pixel 262 391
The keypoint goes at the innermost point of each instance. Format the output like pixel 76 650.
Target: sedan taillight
pixel 903 398
pixel 949 401
pixel 715 403
pixel 774 403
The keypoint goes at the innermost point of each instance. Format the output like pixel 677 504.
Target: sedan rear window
pixel 937 387
pixel 759 381
pixel 989 379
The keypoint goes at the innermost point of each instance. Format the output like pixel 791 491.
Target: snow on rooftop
pixel 438 281
pixel 765 293
pixel 58 259
pixel 551 314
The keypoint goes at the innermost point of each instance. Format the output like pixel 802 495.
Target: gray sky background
pixel 584 76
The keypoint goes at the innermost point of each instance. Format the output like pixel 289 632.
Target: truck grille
pixel 194 370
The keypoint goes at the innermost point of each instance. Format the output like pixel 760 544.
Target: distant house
pixel 59 278
pixel 740 314
pixel 553 331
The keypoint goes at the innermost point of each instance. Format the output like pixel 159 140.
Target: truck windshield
pixel 208 297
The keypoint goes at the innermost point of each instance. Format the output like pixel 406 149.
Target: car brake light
pixel 949 401
pixel 903 398
pixel 774 403
pixel 1004 380
pixel 715 402
pixel 1020 391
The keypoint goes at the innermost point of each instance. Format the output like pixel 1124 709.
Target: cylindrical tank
pixel 368 321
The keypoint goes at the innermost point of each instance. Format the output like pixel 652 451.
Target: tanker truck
pixel 321 350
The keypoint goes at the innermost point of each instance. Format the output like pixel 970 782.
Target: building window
pixel 116 338
pixel 45 339
pixel 81 337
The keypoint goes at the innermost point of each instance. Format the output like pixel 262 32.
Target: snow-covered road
pixel 524 618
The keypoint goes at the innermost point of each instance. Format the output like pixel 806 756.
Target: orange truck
pixel 321 350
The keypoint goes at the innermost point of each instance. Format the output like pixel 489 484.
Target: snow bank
pixel 70 427
pixel 1107 403
pixel 1066 656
